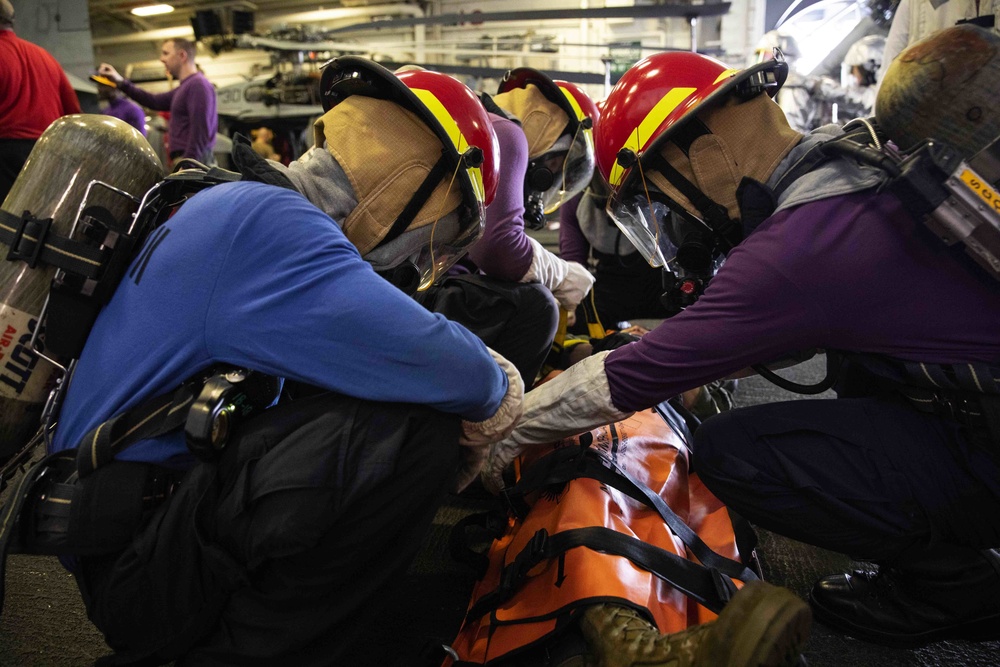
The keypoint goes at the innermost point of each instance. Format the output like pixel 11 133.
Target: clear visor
pixel 573 168
pixel 648 224
pixel 433 248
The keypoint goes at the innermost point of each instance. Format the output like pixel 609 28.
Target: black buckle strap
pixel 39 230
pixel 32 241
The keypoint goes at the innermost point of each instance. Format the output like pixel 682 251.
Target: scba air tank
pixel 71 153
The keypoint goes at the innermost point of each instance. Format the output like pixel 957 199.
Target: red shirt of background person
pixel 34 91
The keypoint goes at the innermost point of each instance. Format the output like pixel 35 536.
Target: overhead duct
pixel 273 19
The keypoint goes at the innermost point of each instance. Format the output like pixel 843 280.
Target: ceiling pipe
pixel 314 16
pixel 476 18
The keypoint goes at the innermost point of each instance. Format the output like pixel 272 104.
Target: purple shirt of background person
pixel 128 111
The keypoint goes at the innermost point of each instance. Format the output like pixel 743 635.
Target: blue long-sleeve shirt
pixel 254 275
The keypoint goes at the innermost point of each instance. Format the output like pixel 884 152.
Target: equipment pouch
pixel 63 515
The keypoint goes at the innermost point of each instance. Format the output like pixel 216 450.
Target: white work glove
pixel 569 282
pixel 574 401
pixel 110 72
pixel 477 437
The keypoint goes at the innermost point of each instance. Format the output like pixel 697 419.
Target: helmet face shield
pixel 575 172
pixel 647 224
pixel 663 232
pixel 450 237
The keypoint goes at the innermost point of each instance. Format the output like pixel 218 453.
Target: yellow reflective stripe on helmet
pixel 640 136
pixel 725 75
pixel 440 112
pixel 573 103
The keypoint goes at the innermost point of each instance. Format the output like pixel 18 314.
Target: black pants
pixel 870 477
pixel 627 288
pixel 273 556
pixel 13 154
pixel 518 320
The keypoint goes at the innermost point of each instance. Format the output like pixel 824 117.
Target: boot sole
pixel 762 626
pixel 982 629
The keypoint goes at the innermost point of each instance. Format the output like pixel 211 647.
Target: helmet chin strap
pixel 418 199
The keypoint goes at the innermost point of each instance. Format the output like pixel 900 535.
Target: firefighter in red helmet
pixel 804 243
pixel 271 549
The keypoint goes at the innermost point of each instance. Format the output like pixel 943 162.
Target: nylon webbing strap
pixel 418 199
pixel 589 464
pixel 707 586
pixel 594 327
pixel 156 417
pixel 23 235
pixel 978 378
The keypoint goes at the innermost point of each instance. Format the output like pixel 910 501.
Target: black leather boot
pixel 925 596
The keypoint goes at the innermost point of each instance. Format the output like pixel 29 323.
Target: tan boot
pixel 762 626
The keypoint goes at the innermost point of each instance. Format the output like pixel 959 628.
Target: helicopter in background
pixel 287 101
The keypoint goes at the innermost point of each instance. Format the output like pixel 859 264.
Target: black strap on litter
pixel 589 464
pixel 31 239
pixel 706 585
pixel 155 417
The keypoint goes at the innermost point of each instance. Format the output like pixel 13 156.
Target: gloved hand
pixel 575 401
pixel 110 72
pixel 574 287
pixel 476 437
pixel 569 282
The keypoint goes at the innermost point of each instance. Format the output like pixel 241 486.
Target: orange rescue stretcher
pixel 612 515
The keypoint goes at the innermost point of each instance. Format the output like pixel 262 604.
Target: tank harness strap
pixel 253 167
pixel 31 240
pixel 709 587
pixel 965 393
pixel 153 418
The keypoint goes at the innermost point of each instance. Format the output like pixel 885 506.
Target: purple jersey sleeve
pixel 852 273
pixel 156 101
pixel 573 245
pixel 504 250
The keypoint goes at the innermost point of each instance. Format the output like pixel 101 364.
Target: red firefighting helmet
pixel 658 95
pixel 470 152
pixel 654 102
pixel 445 105
pixel 577 161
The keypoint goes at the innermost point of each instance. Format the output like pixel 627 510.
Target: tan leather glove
pixel 575 401
pixel 476 437
pixel 569 282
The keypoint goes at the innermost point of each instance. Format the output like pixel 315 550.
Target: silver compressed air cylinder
pixel 73 151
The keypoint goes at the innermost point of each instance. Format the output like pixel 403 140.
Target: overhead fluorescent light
pixel 152 10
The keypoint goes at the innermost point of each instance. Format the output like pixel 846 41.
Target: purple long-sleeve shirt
pixel 573 245
pixel 128 111
pixel 852 273
pixel 193 117
pixel 504 251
